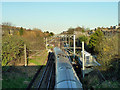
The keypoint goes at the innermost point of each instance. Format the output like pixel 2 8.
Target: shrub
pixel 95 39
pixel 12 49
pixel 108 48
pixel 21 31
pixel 83 38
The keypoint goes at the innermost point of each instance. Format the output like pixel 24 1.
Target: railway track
pixel 44 78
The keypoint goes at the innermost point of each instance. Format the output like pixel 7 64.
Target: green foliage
pixel 39 60
pixel 107 48
pixel 21 31
pixel 14 83
pixel 83 38
pixel 12 49
pixel 13 45
pixel 83 30
pixel 47 32
pixel 95 39
pixel 51 34
pixel 18 77
pixel 77 29
pixel 50 47
pixel 108 84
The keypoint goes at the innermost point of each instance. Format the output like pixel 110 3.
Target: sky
pixel 59 16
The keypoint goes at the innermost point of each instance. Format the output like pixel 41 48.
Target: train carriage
pixel 65 75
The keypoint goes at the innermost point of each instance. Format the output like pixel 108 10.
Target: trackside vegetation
pixel 13 40
pixel 15 74
pixel 106 49
pixel 104 46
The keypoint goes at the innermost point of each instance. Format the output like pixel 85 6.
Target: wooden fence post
pixel 46 43
pixel 60 41
pixel 25 55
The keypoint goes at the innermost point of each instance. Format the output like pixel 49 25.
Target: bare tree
pixel 6 26
pixel 7 23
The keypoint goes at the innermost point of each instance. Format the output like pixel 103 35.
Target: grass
pixel 94 80
pixel 90 80
pixel 50 47
pixel 108 84
pixel 38 60
pixel 18 77
pixel 15 82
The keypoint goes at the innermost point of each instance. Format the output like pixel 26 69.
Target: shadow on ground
pixel 18 76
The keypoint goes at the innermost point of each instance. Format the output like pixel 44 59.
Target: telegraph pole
pixel 69 41
pixel 74 45
pixel 46 43
pixel 83 57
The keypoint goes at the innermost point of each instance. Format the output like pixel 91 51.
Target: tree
pixel 51 33
pixel 78 29
pixel 111 27
pixel 83 38
pixel 21 31
pixel 12 49
pixel 36 29
pixel 108 50
pixel 95 39
pixel 70 30
pixel 95 29
pixel 6 26
pixel 87 29
pixel 83 30
pixel 98 28
pixel 47 32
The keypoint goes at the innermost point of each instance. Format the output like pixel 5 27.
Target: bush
pixel 51 34
pixel 12 49
pixel 108 48
pixel 83 38
pixel 95 39
pixel 13 45
pixel 108 84
pixel 21 31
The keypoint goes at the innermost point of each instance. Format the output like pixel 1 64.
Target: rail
pixel 40 82
pixel 49 63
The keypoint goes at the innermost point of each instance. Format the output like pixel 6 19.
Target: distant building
pixel 91 32
pixel 81 33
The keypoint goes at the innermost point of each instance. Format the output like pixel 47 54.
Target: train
pixel 66 76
